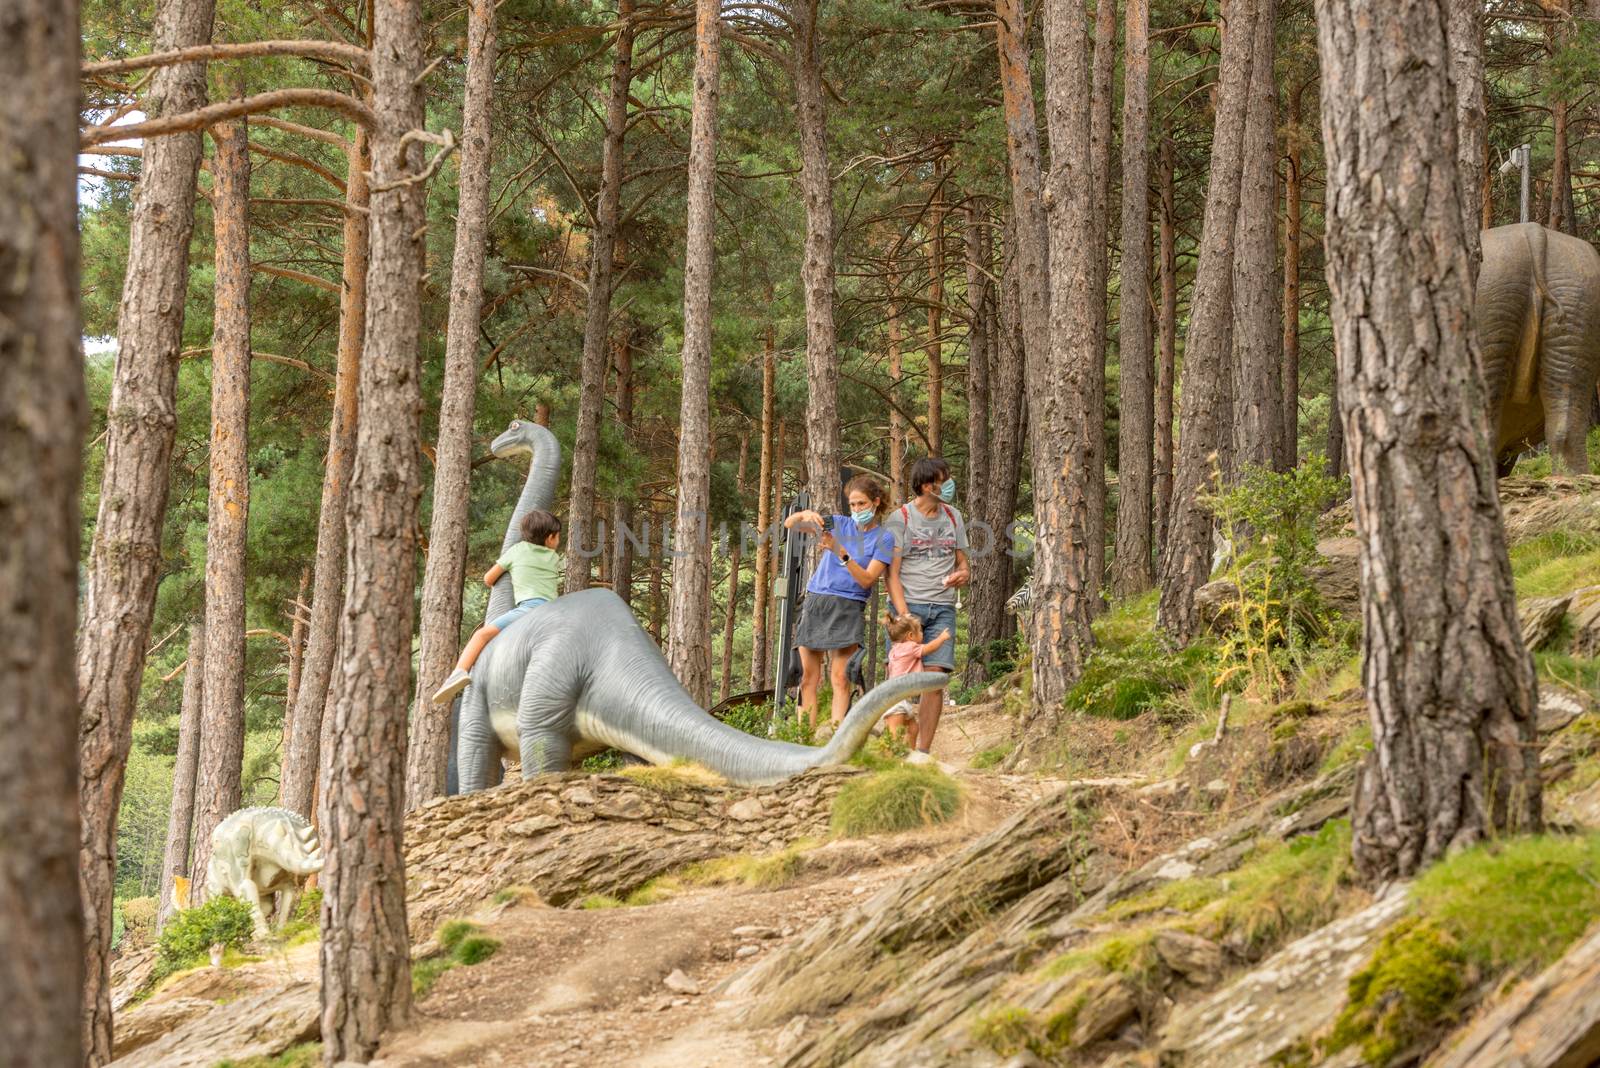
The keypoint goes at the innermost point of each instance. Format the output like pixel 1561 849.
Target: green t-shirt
pixel 534 570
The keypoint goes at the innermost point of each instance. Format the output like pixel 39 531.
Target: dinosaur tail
pixel 852 733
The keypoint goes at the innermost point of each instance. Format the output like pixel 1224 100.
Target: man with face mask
pixel 929 565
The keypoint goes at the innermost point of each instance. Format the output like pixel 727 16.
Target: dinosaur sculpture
pixel 580 675
pixel 1537 314
pixel 261 853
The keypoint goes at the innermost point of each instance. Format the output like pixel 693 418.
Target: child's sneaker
pixel 918 756
pixel 453 685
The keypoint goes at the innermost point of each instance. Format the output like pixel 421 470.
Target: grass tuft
pixel 304 1055
pixel 766 871
pixel 992 756
pixel 461 944
pixel 1408 990
pixel 896 799
pixel 673 780
pixel 1555 562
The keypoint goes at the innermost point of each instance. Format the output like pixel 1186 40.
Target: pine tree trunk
pixel 1258 319
pixel 1100 150
pixel 125 561
pixel 1450 687
pixel 817 270
pixel 42 418
pixel 980 362
pixel 428 756
pixel 1027 184
pixel 731 617
pixel 581 521
pixel 934 348
pixel 622 510
pixel 688 625
pixel 1136 431
pixel 303 747
pixel 366 970
pixel 1167 337
pixel 991 576
pixel 1289 447
pixel 1464 35
pixel 297 649
pixel 185 770
pixel 1060 388
pixel 897 423
pixel 1208 345
pixel 764 515
pixel 227 514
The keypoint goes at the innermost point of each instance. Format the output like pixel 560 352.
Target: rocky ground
pixel 1172 897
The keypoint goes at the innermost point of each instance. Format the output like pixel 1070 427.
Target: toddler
pixel 906 650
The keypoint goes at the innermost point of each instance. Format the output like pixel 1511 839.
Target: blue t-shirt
pixel 864 546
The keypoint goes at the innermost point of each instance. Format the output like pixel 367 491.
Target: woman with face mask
pixel 929 565
pixel 856 553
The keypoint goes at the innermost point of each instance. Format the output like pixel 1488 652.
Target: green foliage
pixel 1555 562
pixel 896 799
pixel 1270 520
pixel 608 760
pixel 992 756
pixel 1407 990
pixel 187 939
pixel 1007 1031
pixel 1127 681
pixel 461 944
pixel 304 1055
pixel 764 871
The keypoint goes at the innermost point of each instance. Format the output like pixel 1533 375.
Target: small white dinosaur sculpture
pixel 261 853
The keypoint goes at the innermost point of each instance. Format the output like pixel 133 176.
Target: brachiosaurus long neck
pixel 538 491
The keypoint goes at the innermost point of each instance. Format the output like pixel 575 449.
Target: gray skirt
pixel 829 622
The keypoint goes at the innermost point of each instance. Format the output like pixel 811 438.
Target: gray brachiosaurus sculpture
pixel 1537 314
pixel 579 675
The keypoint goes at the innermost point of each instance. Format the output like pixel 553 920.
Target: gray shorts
pixel 829 622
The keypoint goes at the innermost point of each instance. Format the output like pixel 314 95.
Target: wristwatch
pixel 844 558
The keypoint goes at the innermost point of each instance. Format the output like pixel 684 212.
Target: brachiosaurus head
pixel 516 440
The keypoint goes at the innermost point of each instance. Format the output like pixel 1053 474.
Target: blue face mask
pixel 947 492
pixel 863 517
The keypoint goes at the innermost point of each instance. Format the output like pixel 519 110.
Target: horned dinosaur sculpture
pixel 261 853
pixel 579 675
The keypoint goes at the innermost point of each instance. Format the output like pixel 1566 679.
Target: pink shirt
pixel 904 658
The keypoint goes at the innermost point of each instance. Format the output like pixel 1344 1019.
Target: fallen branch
pixel 212 114
pixel 331 51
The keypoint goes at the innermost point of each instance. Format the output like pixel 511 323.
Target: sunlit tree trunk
pixel 125 560
pixel 1027 183
pixel 185 769
pixel 689 622
pixel 303 747
pixel 1167 351
pixel 581 531
pixel 764 513
pixel 1450 687
pixel 227 515
pixel 1289 446
pixel 1208 345
pixel 933 349
pixel 1101 150
pixel 366 970
pixel 427 755
pixel 42 417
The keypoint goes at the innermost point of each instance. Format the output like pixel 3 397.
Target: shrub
pixel 897 799
pixel 187 939
pixel 1124 683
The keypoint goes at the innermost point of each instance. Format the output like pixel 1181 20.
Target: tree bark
pixel 1027 183
pixel 1167 335
pixel 1464 34
pixel 731 618
pixel 302 749
pixel 1208 346
pixel 227 515
pixel 933 349
pixel 1258 320
pixel 125 561
pixel 1060 387
pixel 366 970
pixel 185 770
pixel 1450 687
pixel 980 361
pixel 764 513
pixel 440 639
pixel 1136 431
pixel 622 510
pixel 817 269
pixel 897 423
pixel 689 619
pixel 1289 446
pixel 1100 151
pixel 42 418
pixel 297 648
pixel 581 520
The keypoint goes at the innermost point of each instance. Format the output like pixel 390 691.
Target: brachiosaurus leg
pixel 545 715
pixel 477 747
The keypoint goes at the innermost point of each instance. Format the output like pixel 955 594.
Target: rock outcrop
pixel 262 1025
